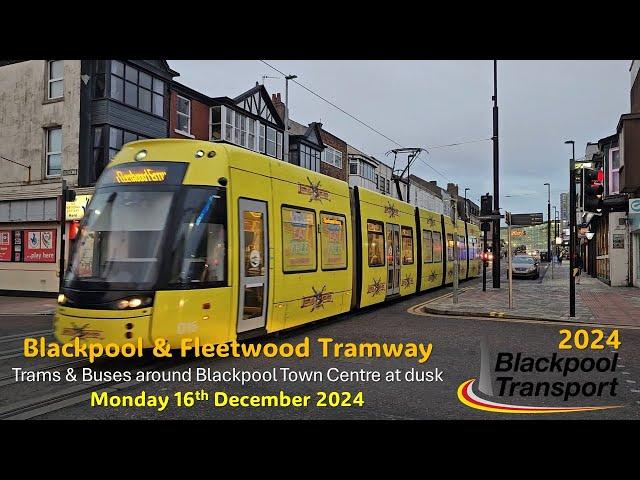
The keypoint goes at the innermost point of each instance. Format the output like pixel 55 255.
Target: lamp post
pixel 496 181
pixel 572 228
pixel 286 116
pixel 466 213
pixel 555 230
pixel 548 221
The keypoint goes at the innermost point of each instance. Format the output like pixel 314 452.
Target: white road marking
pixel 630 381
pixel 625 373
pixel 635 391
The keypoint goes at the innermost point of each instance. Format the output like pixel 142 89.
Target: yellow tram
pixel 187 238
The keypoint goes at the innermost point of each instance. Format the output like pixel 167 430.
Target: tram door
pixel 254 264
pixel 393 259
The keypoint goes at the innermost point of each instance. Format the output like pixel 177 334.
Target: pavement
pixel 26 306
pixel 546 298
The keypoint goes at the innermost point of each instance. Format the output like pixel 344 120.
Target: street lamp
pixel 548 221
pixel 466 215
pixel 572 228
pixel 286 116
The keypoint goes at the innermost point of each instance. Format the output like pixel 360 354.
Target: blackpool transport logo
pixel 508 362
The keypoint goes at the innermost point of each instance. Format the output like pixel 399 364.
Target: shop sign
pixel 39 246
pixel 618 240
pixel 76 209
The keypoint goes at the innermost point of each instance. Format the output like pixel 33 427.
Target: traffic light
pixel 486 205
pixel 593 190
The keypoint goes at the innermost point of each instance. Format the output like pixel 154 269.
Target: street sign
pixel 634 205
pixel 525 219
pixel 487 218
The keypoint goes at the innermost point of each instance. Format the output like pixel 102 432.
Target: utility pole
pixel 496 181
pixel 455 251
pixel 572 229
pixel 466 212
pixel 509 260
pixel 548 221
pixel 286 117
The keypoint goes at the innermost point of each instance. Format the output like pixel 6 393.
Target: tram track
pixel 77 393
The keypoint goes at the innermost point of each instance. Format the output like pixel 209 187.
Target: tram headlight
pixel 62 299
pixel 133 302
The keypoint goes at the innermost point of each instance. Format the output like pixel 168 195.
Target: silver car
pixel 525 266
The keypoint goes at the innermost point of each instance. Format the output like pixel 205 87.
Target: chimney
pixel 276 99
pixel 452 189
pixel 434 182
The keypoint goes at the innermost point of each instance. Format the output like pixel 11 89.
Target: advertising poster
pixel 5 245
pixel 39 246
pixel 338 265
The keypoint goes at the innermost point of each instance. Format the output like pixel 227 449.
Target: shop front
pixel 30 243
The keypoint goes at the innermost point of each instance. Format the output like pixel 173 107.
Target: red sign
pixel 5 245
pixel 39 246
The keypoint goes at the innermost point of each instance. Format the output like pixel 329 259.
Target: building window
pixel 271 142
pixel 614 171
pixel 119 137
pixel 228 123
pixel 183 120
pixel 55 74
pixel 100 80
pixel 368 171
pixel 136 88
pixel 309 158
pixel 332 156
pixel 261 137
pixel 279 146
pixel 236 132
pixel 251 134
pixel 388 186
pixel 54 152
pixel 216 125
pixel 353 168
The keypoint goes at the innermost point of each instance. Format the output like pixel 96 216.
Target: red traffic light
pixel 600 176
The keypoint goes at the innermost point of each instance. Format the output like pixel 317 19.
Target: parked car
pixel 525 266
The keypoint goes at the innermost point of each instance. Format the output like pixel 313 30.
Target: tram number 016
pixel 582 339
pixel 339 399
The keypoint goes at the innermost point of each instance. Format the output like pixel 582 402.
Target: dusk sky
pixel 432 103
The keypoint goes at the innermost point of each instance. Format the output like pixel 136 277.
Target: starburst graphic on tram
pixel 83 331
pixel 391 210
pixel 431 222
pixel 433 275
pixel 318 299
pixel 376 287
pixel 314 191
pixel 407 281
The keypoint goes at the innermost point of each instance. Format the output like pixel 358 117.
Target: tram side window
pixel 200 245
pixel 472 247
pixel 407 245
pixel 427 246
pixel 375 241
pixel 437 247
pixel 333 240
pixel 462 250
pixel 449 247
pixel 298 240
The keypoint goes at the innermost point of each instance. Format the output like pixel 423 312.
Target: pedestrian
pixel 577 268
pixel 559 258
